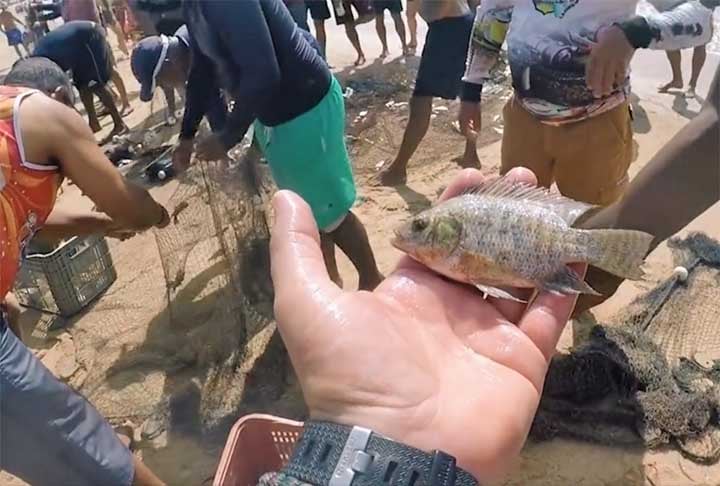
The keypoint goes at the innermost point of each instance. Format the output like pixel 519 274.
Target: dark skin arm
pixel 676 186
pixel 63 224
pixel 53 132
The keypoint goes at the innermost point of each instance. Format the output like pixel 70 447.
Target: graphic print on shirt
pixel 549 43
pixel 558 8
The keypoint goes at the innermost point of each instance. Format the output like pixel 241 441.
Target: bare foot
pixel 690 93
pixel 393 175
pixel 371 283
pixel 674 84
pixel 360 60
pixel 126 434
pixel 117 130
pixel 126 110
pixel 469 160
pixel 385 53
pixel 406 51
pixel 95 126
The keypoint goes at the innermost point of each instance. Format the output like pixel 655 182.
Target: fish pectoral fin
pixel 498 293
pixel 567 281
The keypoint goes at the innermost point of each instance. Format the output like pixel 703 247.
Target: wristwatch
pixel 329 454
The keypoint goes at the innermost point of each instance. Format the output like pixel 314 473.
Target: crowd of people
pixel 396 372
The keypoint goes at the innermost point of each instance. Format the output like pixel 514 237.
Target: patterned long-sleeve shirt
pixel 549 41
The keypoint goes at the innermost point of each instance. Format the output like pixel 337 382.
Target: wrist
pixel 331 454
pixel 636 31
pixel 164 217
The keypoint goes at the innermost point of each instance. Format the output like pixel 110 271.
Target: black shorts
pixel 318 9
pixel 97 68
pixel 343 11
pixel 442 64
pixel 392 6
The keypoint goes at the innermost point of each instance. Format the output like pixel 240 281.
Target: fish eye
pixel 419 225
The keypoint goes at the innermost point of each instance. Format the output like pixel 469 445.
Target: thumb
pixel 303 288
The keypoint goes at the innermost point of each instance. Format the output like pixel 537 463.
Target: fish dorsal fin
pixel 502 187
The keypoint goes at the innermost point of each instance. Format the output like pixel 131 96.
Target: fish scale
pixel 508 234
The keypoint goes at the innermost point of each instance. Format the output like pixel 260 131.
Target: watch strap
pixel 330 454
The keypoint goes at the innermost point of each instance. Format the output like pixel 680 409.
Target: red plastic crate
pixel 257 444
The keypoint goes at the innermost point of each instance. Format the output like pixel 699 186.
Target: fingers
pixel 593 75
pixel 609 75
pixel 469 178
pixel 302 285
pixel 546 317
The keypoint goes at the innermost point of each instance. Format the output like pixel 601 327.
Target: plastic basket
pixel 257 444
pixel 67 279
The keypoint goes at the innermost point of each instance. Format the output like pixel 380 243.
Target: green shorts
pixel 308 156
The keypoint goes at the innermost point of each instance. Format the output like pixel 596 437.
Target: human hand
pixel 421 360
pixel 211 148
pixel 181 156
pixel 608 62
pixel 470 119
pixel 164 219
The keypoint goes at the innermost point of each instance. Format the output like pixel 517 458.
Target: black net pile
pixel 653 379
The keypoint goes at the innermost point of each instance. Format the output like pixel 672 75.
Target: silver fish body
pixel 506 234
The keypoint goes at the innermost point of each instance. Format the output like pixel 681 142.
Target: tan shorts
pixel 588 160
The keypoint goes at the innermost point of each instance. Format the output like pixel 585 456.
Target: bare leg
pixel 107 101
pixel 12 307
pixel 122 42
pixel 352 34
pixel 698 61
pixel 320 35
pixel 382 33
pixel 675 58
pixel 120 85
pixel 17 51
pixel 144 476
pixel 417 127
pixel 170 118
pixel 470 157
pixel 400 29
pixel 327 245
pixel 353 240
pixel 412 10
pixel 86 96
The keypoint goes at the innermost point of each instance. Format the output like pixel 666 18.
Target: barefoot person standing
pixel 439 76
pixel 14 34
pixel 82 48
pixel 280 84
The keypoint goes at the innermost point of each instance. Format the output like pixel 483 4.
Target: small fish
pixel 510 234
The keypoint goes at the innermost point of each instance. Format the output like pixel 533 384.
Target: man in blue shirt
pixel 81 47
pixel 280 84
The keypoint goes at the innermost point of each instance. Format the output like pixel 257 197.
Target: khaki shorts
pixel 588 160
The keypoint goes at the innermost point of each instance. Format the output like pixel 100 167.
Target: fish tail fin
pixel 620 252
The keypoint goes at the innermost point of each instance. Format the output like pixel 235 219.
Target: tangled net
pixel 654 379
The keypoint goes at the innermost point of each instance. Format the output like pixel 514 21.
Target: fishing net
pixel 654 378
pixel 185 340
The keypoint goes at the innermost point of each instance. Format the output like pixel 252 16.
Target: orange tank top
pixel 27 191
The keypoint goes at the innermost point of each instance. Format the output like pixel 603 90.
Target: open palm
pixel 422 360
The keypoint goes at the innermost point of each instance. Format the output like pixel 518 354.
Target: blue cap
pixel 146 61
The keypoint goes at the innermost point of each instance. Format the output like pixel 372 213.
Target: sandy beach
pixel 93 351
